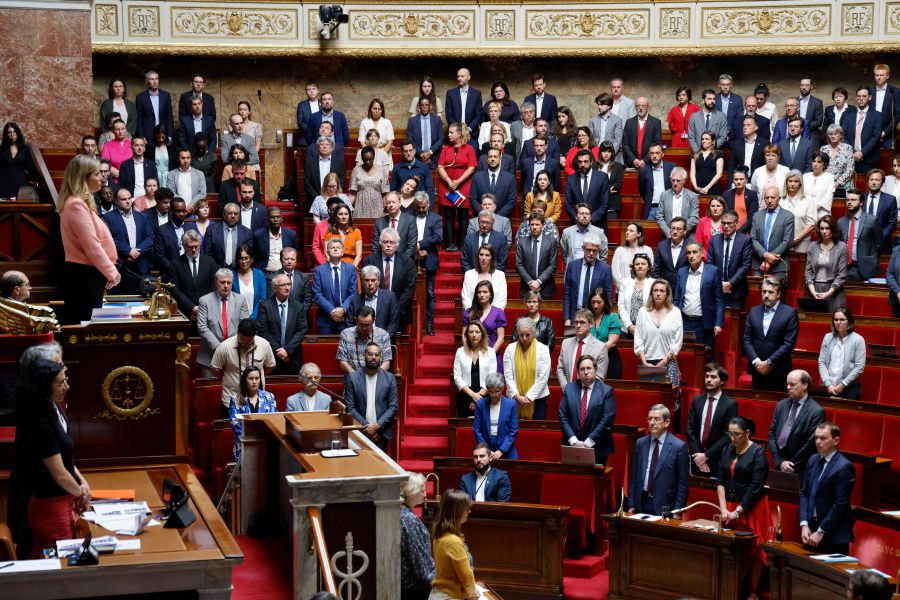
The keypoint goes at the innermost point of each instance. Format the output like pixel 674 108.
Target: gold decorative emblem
pixel 127 393
pixel 593 24
pixel 234 21
pixel 254 23
pixel 106 19
pixel 73 339
pixel 179 336
pixel 764 20
pixel 126 337
pixel 410 24
pixel 804 20
pixel 450 25
pixel 587 23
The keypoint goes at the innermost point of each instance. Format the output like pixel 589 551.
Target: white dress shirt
pixel 371 384
pixel 692 306
pixel 130 228
pixel 183 184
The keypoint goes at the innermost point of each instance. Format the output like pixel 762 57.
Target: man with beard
pixel 486 483
pixel 371 397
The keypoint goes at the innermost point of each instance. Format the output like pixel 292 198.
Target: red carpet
pixel 595 588
pixel 266 571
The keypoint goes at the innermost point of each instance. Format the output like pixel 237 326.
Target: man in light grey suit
pixel 213 331
pixel 771 234
pixel 536 272
pixel 570 353
pixel 605 125
pixel 237 136
pixel 375 412
pixel 573 236
pixel 501 223
pixel 678 202
pixel 186 181
pixel 623 106
pixel 708 119
pixel 310 398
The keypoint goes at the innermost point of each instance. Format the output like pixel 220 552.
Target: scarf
pixel 525 362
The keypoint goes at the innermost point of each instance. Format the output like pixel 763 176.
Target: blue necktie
pixel 770 216
pixel 587 286
pixel 336 287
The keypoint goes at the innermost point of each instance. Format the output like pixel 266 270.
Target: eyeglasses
pixel 736 434
pixel 62 383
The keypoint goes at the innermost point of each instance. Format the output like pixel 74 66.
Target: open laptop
pixel 571 455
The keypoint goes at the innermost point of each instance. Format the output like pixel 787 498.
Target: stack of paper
pixel 834 558
pixel 120 517
pixel 22 566
pixel 103 544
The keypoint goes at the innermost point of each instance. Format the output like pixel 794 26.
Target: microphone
pixel 306 379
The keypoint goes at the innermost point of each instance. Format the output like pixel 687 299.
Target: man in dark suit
pixel 161 213
pixel 167 243
pixel 796 151
pixel 133 237
pixel 640 133
pixel 698 295
pixel 708 420
pixel 848 115
pixel 583 275
pixel 486 483
pixel 539 161
pixel 507 162
pixel 865 132
pixel 741 195
pixel 587 412
pixel 335 117
pixel 215 242
pixel 318 165
pixel 671 254
pixel 772 234
pixel 825 520
pixel 375 412
pixel 893 281
pixel 300 285
pixel 536 260
pixel 811 109
pixel 194 275
pixel 230 189
pixel 522 128
pixel 653 179
pixel 463 103
pixel 208 102
pixel 588 186
pixel 137 164
pixel 305 110
pixel 495 181
pixel 660 472
pixel 791 110
pixel 379 299
pixel 544 103
pixel 886 100
pixel 883 207
pixel 401 222
pixel 398 274
pixel 541 128
pixel 334 284
pixel 427 132
pixel 749 149
pixel 154 107
pixel 862 233
pixel 411 166
pixel 268 255
pixel 731 254
pixel 729 104
pixel 194 122
pixel 792 434
pixel 484 235
pixel 770 337
pixel 763 125
pixel 430 234
pixel 282 322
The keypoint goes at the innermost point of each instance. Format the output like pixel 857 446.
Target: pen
pixel 9 564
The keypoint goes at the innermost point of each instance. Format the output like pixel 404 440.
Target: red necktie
pixel 707 424
pixel 850 240
pixel 393 223
pixel 575 366
pixel 640 140
pixel 225 318
pixel 387 274
pixel 584 401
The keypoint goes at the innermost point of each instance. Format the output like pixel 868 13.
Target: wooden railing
pixel 43 172
pixel 321 549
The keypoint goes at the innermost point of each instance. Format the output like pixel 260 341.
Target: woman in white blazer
pixel 770 174
pixel 633 292
pixel 819 184
pixel 485 270
pixel 471 366
pixel 530 395
pixel 842 358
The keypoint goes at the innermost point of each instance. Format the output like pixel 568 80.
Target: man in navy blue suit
pixel 763 125
pixel 427 132
pixel 731 254
pixel 215 242
pixel 698 295
pixel 587 412
pixel 334 284
pixel 671 254
pixel 796 151
pixel 133 237
pixel 770 337
pixel 305 110
pixel 412 166
pixel 463 103
pixel 653 180
pixel 494 180
pixel 588 186
pixel 484 236
pixel 865 133
pixel 154 107
pixel 486 483
pixel 198 82
pixel 328 113
pixel 730 104
pixel 167 245
pixel 884 207
pixel 544 103
pixel 430 234
pixel 661 470
pixel 886 100
pixel 584 275
pixel 128 170
pixel 269 241
pixel 811 109
pixel 197 122
pixel 541 127
pixel 825 520
pixel 791 110
pixel 749 149
pixel 538 161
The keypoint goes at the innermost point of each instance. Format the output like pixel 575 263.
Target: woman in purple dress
pixel 493 318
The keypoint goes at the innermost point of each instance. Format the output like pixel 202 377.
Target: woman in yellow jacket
pixel 454 578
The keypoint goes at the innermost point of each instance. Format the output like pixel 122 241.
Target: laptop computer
pixel 572 455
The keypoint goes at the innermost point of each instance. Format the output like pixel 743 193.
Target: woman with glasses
pixel 842 357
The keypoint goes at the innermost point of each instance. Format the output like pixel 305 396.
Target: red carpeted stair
pixel 266 572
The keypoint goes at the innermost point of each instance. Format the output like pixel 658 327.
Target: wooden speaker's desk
pixel 198 557
pixel 795 576
pixel 657 560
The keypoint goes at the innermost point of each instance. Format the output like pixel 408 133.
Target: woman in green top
pixel 607 328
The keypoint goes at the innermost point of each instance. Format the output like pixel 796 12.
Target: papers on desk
pixel 339 453
pixel 124 518
pixel 834 558
pixel 103 545
pixel 482 592
pixel 23 566
pixel 645 517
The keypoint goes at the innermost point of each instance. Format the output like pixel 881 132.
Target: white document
pixel 23 566
pixel 645 517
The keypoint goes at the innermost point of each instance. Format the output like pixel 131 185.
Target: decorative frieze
pixel 252 23
pixel 106 20
pixel 404 25
pixel 578 25
pixel 799 21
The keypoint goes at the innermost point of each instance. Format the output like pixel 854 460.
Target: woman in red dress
pixel 743 470
pixel 679 116
pixel 455 167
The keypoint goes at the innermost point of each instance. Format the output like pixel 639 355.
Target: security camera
pixel 330 16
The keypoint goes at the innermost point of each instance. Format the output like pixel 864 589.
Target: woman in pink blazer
pixel 90 252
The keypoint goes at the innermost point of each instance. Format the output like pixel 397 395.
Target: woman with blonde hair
pixel 484 131
pixel 796 202
pixel 90 252
pixel 454 576
pixel 331 188
pixel 474 361
pixel 416 564
pixel 659 332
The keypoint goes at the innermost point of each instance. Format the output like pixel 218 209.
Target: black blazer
pixel 126 173
pixel 751 203
pixel 662 265
pixel 549 108
pixel 312 177
pixel 403 282
pixel 802 157
pixel 546 265
pixel 268 320
pixel 146 120
pixel 526 166
pixel 738 155
pixel 186 131
pixel 801 443
pixel 406 229
pixel 209 105
pixel 214 242
pixel 431 240
pixel 739 262
pixel 616 175
pixel 165 246
pixel 387 314
pixel 652 136
pixel 645 184
pixel 188 290
pixel 726 409
pixel 848 120
pixel 777 345
pixel 228 192
pixel 748 485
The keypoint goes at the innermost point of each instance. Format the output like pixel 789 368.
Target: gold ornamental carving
pixel 857 19
pixel 675 23
pixel 568 25
pixel 892 17
pixel 234 23
pixel 800 21
pixel 143 21
pixel 127 393
pixel 500 25
pixel 101 338
pixel 155 337
pixel 106 19
pixel 446 26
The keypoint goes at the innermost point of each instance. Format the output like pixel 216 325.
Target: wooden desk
pixel 664 560
pixel 199 557
pixel 795 576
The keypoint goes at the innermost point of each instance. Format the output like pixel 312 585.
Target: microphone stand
pixel 339 399
pixel 680 511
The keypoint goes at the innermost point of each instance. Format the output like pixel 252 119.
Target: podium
pixel 127 400
pixel 657 560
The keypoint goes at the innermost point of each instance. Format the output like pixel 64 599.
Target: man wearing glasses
pixel 731 253
pixel 282 322
pixel 661 474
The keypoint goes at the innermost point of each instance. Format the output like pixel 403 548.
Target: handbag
pixel 651 373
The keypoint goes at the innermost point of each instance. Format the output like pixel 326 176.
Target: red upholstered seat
pixel 876 546
pixel 888 387
pixel 891 449
pixel 860 432
pixel 578 494
pixel 465 441
pixel 760 412
pixel 620 461
pixel 542 446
